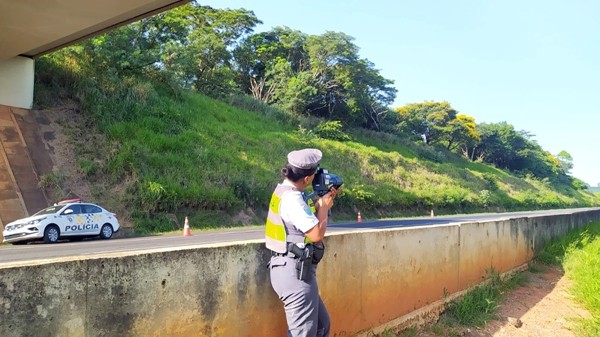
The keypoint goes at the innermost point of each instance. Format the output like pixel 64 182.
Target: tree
pixel 499 144
pixel 514 150
pixel 565 161
pixel 190 43
pixel 291 90
pixel 320 75
pixel 349 88
pixel 131 49
pixel 369 94
pixel 430 119
pixel 201 57
pixel 258 56
pixel 462 134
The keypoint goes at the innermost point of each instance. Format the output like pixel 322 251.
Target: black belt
pixel 290 254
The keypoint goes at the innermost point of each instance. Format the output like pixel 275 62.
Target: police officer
pixel 294 234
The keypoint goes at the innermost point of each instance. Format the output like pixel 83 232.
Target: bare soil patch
pixel 541 307
pixel 72 140
pixel 62 151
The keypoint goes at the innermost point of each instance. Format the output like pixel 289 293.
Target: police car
pixel 66 219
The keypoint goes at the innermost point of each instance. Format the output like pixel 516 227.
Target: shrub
pixel 331 130
pixel 430 153
pixel 485 198
pixel 491 182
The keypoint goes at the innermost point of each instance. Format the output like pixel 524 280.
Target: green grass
pixel 479 304
pixel 183 154
pixel 579 254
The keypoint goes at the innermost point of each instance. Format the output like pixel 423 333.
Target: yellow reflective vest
pixel 276 237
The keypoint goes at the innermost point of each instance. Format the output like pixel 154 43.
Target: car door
pixel 73 221
pixel 94 217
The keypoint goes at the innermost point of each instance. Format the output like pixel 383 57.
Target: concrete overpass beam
pixel 16 82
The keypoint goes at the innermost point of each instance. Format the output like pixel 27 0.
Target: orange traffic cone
pixel 432 215
pixel 359 218
pixel 186 228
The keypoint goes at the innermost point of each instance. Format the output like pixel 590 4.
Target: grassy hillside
pixel 154 154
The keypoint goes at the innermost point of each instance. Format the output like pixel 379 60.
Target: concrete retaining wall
pixel 24 158
pixel 368 280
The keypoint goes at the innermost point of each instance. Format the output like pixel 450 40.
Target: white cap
pixel 305 159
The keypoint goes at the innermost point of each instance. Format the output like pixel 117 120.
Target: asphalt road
pixel 35 253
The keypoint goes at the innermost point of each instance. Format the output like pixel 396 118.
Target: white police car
pixel 66 219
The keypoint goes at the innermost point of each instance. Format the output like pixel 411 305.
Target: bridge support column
pixel 16 82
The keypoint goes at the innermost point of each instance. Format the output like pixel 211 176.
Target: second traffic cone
pixel 359 218
pixel 186 228
pixel 432 215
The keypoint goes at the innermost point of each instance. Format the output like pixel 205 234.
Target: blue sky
pixel 534 64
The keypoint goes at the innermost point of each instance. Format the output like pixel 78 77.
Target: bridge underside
pixel 30 28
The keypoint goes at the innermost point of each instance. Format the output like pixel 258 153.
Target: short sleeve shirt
pixel 295 211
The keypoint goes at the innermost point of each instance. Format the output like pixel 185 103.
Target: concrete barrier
pixel 369 280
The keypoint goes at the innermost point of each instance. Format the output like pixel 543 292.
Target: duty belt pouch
pixel 319 251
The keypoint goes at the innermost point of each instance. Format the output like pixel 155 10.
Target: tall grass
pixel 579 254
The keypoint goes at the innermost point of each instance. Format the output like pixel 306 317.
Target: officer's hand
pixel 335 192
pixel 327 199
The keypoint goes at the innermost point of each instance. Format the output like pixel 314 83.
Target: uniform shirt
pixel 295 211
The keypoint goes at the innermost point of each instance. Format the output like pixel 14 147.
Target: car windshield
pixel 49 210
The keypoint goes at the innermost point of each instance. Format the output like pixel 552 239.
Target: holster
pixel 304 260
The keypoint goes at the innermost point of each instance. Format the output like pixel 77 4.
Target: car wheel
pixel 106 232
pixel 51 234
